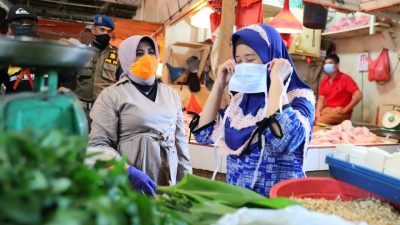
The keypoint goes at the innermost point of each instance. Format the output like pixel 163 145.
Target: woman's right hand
pixel 141 181
pixel 225 72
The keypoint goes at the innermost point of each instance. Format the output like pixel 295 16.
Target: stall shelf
pixel 356 31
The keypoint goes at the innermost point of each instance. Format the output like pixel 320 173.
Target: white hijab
pixel 127 55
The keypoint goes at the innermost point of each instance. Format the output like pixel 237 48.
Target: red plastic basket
pixel 322 187
pixel 318 187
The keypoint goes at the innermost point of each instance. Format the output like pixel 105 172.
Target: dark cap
pixel 103 20
pixel 21 11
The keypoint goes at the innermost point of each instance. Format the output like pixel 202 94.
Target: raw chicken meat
pixel 344 133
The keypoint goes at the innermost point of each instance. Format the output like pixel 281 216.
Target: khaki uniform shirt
pixel 151 134
pixel 100 73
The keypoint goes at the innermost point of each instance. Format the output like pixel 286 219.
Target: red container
pixel 322 187
pixel 318 187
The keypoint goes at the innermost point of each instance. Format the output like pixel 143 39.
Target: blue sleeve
pixel 294 121
pixel 203 135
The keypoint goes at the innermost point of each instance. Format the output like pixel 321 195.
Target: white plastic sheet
pixel 293 215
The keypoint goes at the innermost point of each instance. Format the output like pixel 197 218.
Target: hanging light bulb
pixel 286 22
pixel 202 18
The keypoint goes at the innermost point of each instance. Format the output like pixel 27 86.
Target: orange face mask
pixel 145 67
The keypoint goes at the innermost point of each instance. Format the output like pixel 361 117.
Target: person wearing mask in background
pixel 140 117
pixel 338 94
pixel 102 70
pixel 22 21
pixel 267 125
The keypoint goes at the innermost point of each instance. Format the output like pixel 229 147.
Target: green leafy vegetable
pixel 44 181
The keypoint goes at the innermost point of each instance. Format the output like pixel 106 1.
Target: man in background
pixel 22 21
pixel 102 70
pixel 338 94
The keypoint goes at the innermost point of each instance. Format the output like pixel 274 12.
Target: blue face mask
pixel 252 78
pixel 329 68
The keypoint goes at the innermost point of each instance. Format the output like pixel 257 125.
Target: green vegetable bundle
pixel 44 181
pixel 202 201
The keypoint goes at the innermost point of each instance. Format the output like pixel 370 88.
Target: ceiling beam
pixel 73 4
pixel 125 2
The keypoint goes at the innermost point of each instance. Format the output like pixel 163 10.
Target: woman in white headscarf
pixel 141 118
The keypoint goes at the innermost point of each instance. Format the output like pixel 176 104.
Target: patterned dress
pixel 282 158
pixel 257 156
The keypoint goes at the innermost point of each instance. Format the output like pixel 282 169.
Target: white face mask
pixel 249 78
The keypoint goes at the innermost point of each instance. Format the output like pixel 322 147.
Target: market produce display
pixel 45 181
pixel 371 210
pixel 345 133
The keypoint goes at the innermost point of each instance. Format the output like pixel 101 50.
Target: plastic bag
pixel 175 72
pixel 292 215
pixel 379 69
pixel 248 12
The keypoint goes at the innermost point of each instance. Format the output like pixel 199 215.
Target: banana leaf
pixel 202 201
pixel 202 188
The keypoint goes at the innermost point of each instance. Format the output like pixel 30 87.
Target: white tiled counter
pixel 202 157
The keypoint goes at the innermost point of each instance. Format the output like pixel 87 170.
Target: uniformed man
pixel 22 21
pixel 102 71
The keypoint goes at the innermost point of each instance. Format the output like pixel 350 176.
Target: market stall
pixel 318 150
pixel 378 133
pixel 370 133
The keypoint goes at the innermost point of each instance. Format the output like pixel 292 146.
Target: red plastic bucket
pixel 318 187
pixel 322 187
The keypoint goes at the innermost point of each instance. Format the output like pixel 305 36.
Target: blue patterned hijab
pixel 268 44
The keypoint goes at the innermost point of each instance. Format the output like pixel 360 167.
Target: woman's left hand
pixel 280 69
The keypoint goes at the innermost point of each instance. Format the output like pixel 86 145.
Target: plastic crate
pixel 378 183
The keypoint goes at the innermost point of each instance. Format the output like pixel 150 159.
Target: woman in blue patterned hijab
pixel 266 127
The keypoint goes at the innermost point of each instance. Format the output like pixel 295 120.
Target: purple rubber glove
pixel 141 181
